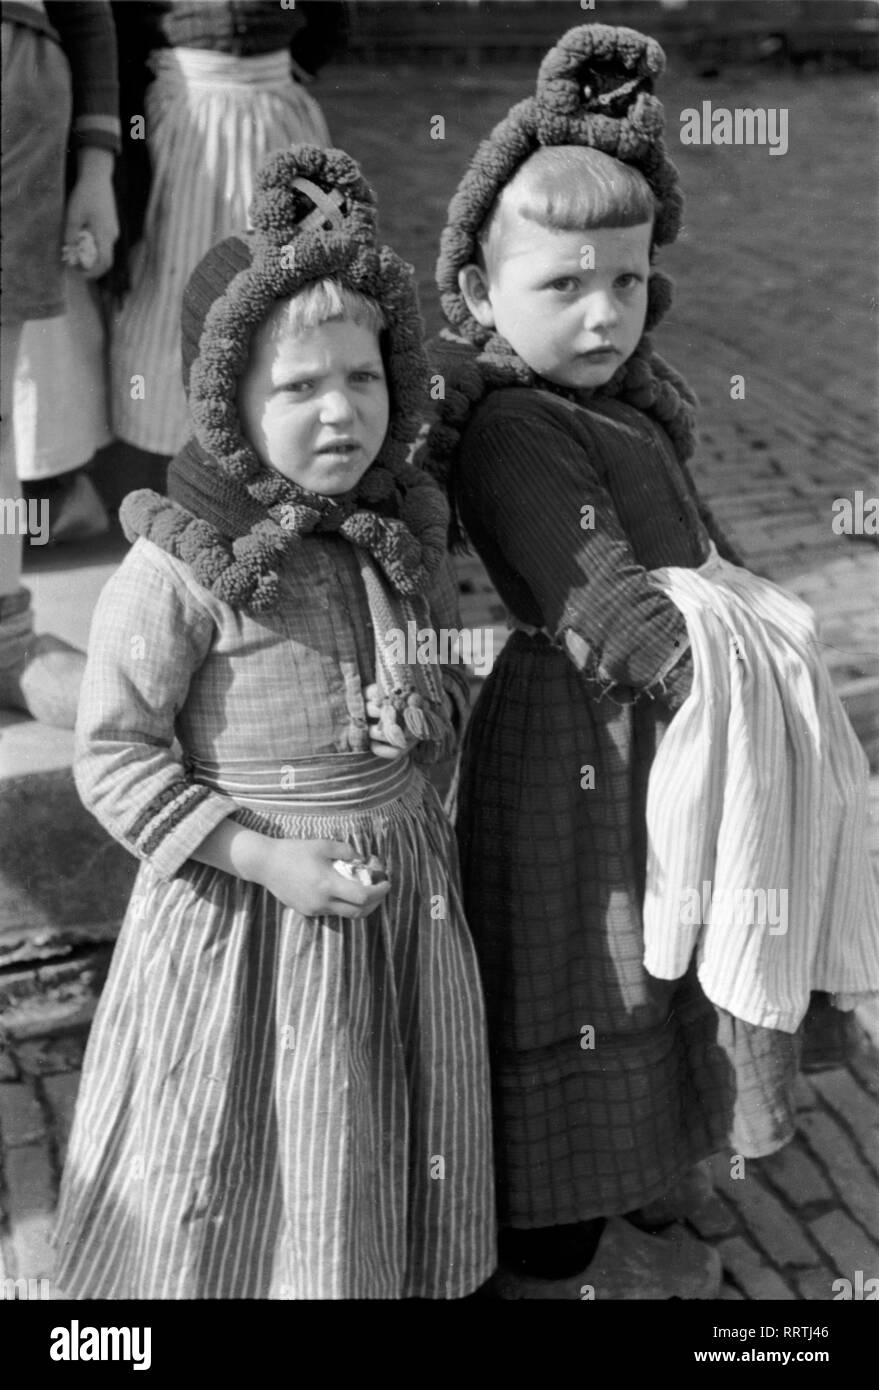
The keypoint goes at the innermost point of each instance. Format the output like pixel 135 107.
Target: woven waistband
pixel 205 67
pixel 319 786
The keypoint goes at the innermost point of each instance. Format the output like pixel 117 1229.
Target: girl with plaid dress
pixel 285 1092
pixel 656 726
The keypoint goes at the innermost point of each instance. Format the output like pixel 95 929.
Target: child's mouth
pixel 339 448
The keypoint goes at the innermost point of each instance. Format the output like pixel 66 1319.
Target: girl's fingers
pixel 337 849
pixel 387 751
pixel 340 907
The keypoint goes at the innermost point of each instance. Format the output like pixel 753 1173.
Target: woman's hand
pixel 300 874
pixel 92 207
pixel 379 746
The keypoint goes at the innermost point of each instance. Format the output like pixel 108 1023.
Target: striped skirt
pixel 211 119
pixel 275 1106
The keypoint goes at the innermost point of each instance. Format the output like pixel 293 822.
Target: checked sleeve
pixel 149 635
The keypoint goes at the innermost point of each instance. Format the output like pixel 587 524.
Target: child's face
pixel 572 316
pixel 314 405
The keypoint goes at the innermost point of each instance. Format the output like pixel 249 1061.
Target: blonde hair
pixel 568 188
pixel 323 301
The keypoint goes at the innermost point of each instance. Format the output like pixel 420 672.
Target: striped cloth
pixel 756 812
pixel 60 413
pixel 211 120
pixel 275 1106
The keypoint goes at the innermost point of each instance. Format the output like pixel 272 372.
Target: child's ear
pixel 473 284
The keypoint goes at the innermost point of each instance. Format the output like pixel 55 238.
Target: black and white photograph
pixel 439 673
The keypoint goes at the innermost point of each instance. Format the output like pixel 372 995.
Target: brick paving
pixel 776 291
pixel 786 1227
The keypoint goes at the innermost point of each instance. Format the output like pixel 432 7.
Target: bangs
pixel 324 301
pixel 570 188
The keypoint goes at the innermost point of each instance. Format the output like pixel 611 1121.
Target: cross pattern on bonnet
pixel 329 207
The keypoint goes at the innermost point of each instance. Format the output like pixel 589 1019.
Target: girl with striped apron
pixel 285 1093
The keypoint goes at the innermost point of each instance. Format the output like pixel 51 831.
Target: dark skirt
pixel 608 1084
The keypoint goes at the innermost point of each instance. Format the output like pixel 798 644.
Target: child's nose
pixel 601 310
pixel 335 406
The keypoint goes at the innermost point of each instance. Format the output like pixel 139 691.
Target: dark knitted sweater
pixel 530 463
pixel 84 30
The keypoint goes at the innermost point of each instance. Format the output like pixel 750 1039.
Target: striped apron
pixel 276 1106
pixel 757 812
pixel 60 412
pixel 211 119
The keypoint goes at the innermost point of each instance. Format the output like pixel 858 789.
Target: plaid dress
pixel 272 1106
pixel 608 1083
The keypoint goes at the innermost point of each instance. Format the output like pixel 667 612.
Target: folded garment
pixel 757 812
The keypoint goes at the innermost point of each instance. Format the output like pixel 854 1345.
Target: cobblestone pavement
pixel 773 288
pixel 786 1227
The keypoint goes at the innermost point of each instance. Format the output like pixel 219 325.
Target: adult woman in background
pixel 227 89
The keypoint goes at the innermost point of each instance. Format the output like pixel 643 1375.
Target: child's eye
pixel 629 280
pixel 564 284
pixel 366 376
pixel 297 388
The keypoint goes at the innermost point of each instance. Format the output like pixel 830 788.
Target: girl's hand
pixel 379 746
pixel 300 873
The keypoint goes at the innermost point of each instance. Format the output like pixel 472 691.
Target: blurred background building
pixel 710 34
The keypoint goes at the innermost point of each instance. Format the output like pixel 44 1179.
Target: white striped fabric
pixel 211 119
pixel 756 812
pixel 279 1107
pixel 60 411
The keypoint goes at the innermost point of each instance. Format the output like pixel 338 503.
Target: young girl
pixel 285 1092
pixel 656 733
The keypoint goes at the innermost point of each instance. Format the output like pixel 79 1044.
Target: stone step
pixel 63 880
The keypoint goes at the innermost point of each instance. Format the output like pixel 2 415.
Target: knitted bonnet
pixel 595 87
pixel 231 519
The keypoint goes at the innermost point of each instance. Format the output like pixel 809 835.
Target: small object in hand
pixel 367 871
pixel 83 252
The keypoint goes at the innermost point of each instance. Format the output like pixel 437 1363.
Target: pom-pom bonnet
pixel 313 217
pixel 594 88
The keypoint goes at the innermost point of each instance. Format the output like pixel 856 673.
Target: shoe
pixel 46 683
pixel 77 512
pixel 685 1198
pixel 831 1038
pixel 628 1264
